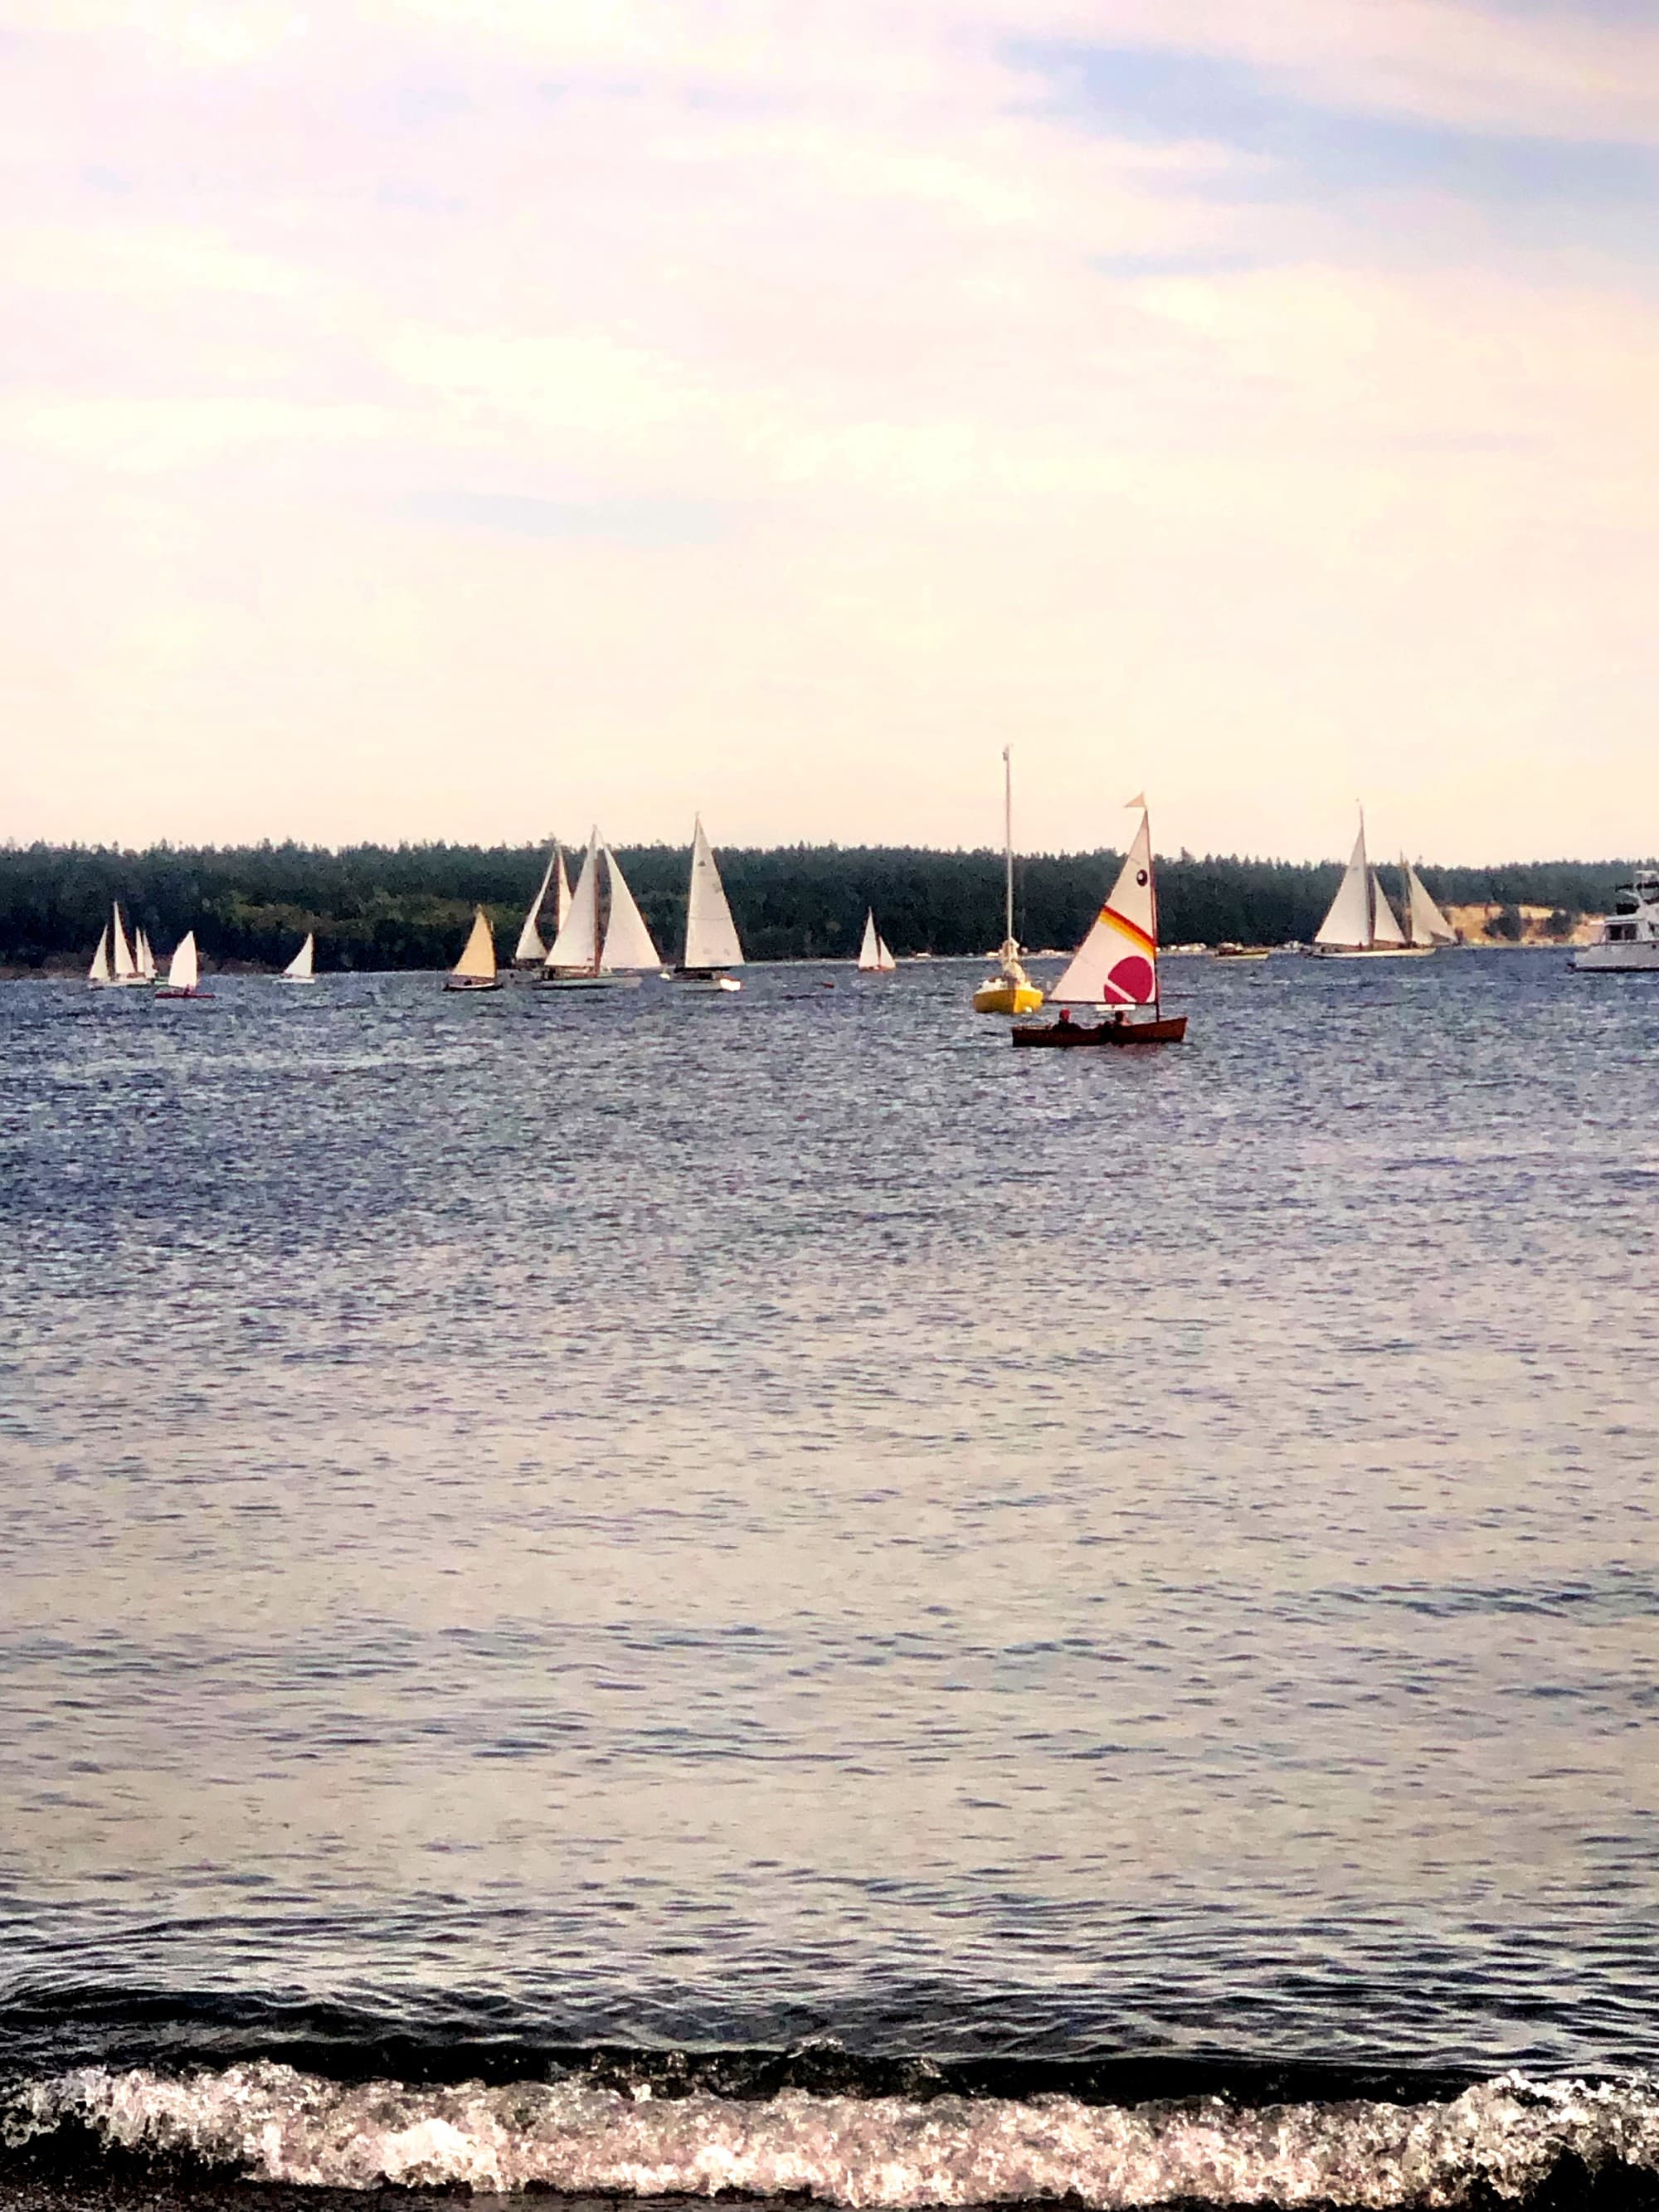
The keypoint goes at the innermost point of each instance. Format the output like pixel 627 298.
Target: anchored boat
pixel 711 935
pixel 1010 990
pixel 1629 942
pixel 475 968
pixel 1116 967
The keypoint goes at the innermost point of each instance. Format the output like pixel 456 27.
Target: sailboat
pixel 184 971
pixel 302 968
pixel 874 957
pixel 143 959
pixel 1362 924
pixel 475 968
pixel 1010 990
pixel 530 951
pixel 1116 967
pixel 1425 923
pixel 114 967
pixel 579 959
pixel 711 935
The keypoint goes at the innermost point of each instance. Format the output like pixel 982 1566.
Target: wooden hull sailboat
pixel 1114 969
pixel 1010 990
pixel 580 959
pixel 712 944
pixel 184 971
pixel 1362 924
pixel 875 956
pixel 475 968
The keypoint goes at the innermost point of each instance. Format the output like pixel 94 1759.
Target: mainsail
pixel 477 960
pixel 1349 921
pixel 874 957
pixel 184 971
pixel 561 904
pixel 300 968
pixel 575 950
pixel 711 935
pixel 529 947
pixel 100 970
pixel 143 958
pixel 1425 923
pixel 127 968
pixel 1116 964
pixel 626 940
pixel 1385 924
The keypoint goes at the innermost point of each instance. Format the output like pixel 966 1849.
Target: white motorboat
pixel 1629 942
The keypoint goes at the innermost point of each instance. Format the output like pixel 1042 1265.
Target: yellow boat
pixel 1010 990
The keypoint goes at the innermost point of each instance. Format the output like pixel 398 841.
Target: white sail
pixel 1385 923
pixel 884 959
pixel 302 966
pixel 100 971
pixel 1116 964
pixel 183 970
pixel 711 935
pixel 576 947
pixel 143 958
pixel 477 960
pixel 626 940
pixel 1349 921
pixel 870 951
pixel 127 968
pixel 561 907
pixel 1425 924
pixel 530 945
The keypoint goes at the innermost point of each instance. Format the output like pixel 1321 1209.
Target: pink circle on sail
pixel 1132 978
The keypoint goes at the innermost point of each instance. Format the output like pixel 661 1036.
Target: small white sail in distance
pixel 143 956
pixel 183 969
pixel 1425 923
pixel 477 960
pixel 100 971
pixel 127 968
pixel 626 940
pixel 1385 923
pixel 302 968
pixel 575 949
pixel 530 945
pixel 1349 921
pixel 561 904
pixel 711 935
pixel 874 957
pixel 1116 964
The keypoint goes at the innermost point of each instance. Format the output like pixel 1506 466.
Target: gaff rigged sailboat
pixel 711 935
pixel 302 968
pixel 184 971
pixel 579 958
pixel 530 951
pixel 475 968
pixel 1116 967
pixel 1362 924
pixel 874 956
pixel 1010 990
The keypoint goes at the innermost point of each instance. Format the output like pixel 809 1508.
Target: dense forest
pixel 409 906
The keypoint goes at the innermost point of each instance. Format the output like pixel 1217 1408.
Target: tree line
pixel 410 906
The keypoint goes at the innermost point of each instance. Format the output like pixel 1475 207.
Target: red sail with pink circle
pixel 1116 964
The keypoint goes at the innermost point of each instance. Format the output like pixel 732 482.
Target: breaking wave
pixel 1512 2140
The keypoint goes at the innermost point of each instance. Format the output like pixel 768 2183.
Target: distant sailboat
pixel 530 951
pixel 114 967
pixel 874 958
pixel 1361 924
pixel 1010 990
pixel 579 958
pixel 1116 967
pixel 1425 923
pixel 711 935
pixel 143 958
pixel 184 971
pixel 475 968
pixel 100 976
pixel 302 968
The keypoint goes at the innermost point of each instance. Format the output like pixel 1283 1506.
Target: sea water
pixel 651 1594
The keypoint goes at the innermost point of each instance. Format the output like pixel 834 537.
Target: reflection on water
pixel 779 1513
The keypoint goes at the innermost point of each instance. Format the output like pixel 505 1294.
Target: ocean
pixel 640 1596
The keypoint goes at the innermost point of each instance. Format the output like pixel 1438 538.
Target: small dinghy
pixel 712 944
pixel 1116 967
pixel 874 956
pixel 302 968
pixel 184 971
pixel 475 968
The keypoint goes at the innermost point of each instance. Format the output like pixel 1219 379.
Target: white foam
pixel 273 2122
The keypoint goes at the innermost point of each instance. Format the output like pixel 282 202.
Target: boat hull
pixel 472 983
pixel 608 983
pixel 1166 1028
pixel 998 997
pixel 1371 951
pixel 1637 959
pixel 696 980
pixel 165 992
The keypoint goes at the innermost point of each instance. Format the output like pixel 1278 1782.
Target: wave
pixel 1512 2140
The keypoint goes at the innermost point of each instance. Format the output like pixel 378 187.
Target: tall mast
pixel 594 873
pixel 1371 885
pixel 1157 935
pixel 1008 853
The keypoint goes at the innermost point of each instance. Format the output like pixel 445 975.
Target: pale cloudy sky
pixel 465 417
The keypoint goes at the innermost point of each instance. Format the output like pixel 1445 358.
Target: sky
pixel 470 418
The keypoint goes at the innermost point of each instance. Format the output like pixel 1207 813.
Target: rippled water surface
pixel 731 1521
